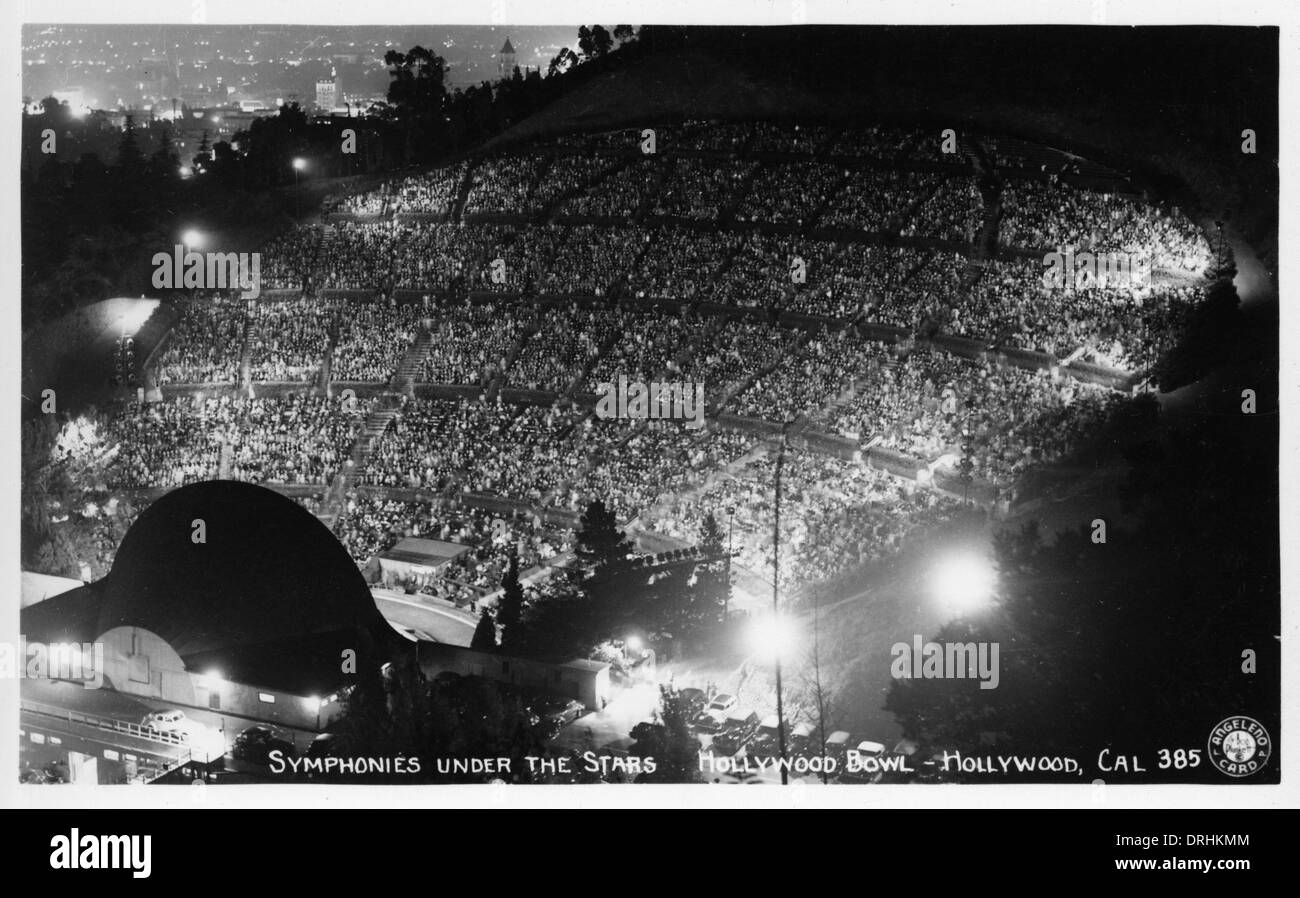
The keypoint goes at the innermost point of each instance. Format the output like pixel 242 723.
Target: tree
pixel 485 634
pixel 712 583
pixel 600 39
pixel 674 748
pixel 203 158
pixel 510 606
pixel 164 159
pixel 602 547
pixel 1136 643
pixel 417 98
pixel 623 33
pixel 128 150
pixel 585 42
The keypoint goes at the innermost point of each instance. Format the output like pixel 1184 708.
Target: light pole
pixel 726 596
pixel 299 164
pixel 776 586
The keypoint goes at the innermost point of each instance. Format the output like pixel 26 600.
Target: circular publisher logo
pixel 1239 746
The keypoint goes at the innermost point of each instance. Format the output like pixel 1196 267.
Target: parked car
pixel 255 744
pixel 711 719
pixel 737 731
pixel 837 745
pixel 323 746
pixel 694 699
pixel 857 763
pixel 171 720
pixel 564 711
pixel 647 729
pixel 767 743
pixel 722 703
pixel 802 743
pixel 706 722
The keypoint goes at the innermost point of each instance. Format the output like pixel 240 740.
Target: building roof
pixel 271 598
pixel 508 48
pixel 427 552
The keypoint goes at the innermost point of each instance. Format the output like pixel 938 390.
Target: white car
pixel 171 720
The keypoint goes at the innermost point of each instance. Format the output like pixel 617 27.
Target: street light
pixel 299 164
pixel 771 636
pixel 776 609
pixel 726 596
pixel 192 239
pixel 964 583
pixel 314 705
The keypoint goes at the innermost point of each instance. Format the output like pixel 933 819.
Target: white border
pixel 777 12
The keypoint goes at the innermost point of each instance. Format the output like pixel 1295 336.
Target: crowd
pixel 806 381
pixel 836 515
pixel 646 349
pixel 1119 327
pixel 287 259
pixel 372 338
pixel 1051 216
pixel 287 339
pixel 618 195
pixel 373 523
pixel 681 264
pixel 589 260
pixel 733 351
pixel 432 193
pixel 205 344
pixel 504 184
pixel 802 140
pixel 518 451
pixel 699 189
pixel 567 176
pixel 658 459
pixel 789 193
pixel 292 439
pixel 471 342
pixel 922 403
pixel 357 256
pixel 955 212
pixel 930 404
pixel 769 270
pixel 875 200
pixel 565 343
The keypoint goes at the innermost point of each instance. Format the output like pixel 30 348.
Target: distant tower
pixel 506 60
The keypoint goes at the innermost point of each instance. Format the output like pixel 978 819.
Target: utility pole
pixel 776 587
pixel 726 596
pixel 817 682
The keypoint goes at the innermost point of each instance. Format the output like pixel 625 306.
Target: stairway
pixel 408 369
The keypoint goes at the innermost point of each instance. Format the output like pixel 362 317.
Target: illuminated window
pixel 266 697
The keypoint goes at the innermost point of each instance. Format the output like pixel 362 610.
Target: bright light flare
pixel 771 636
pixel 299 163
pixel 634 643
pixel 963 584
pixel 192 239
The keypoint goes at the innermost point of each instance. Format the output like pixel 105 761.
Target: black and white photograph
pixel 862 407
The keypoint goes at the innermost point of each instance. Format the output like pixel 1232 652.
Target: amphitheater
pixel 424 357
